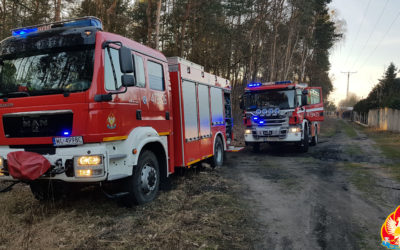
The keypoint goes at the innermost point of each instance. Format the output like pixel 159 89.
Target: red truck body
pixel 103 123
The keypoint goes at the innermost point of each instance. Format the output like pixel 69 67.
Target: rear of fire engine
pixel 282 112
pixel 79 105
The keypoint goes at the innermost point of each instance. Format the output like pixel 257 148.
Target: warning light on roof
pixel 80 22
pixel 254 84
pixel 24 31
pixel 66 133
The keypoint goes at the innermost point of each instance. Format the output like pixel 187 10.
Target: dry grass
pixel 201 211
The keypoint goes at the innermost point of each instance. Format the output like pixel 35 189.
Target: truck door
pixel 315 105
pixel 119 118
pixel 155 101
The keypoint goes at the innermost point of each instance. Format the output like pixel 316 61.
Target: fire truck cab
pixel 80 105
pixel 277 112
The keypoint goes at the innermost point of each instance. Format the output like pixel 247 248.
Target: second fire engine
pixel 282 112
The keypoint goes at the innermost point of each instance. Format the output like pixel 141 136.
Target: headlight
pixel 89 166
pixel 1 166
pixel 89 160
pixel 295 129
pixel 247 131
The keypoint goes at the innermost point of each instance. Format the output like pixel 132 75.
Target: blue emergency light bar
pixel 79 22
pixel 258 84
pixel 254 84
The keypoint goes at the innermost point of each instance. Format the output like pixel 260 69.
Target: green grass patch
pixel 348 129
pixel 354 150
pixel 394 170
pixel 362 179
pixel 388 142
pixel 329 128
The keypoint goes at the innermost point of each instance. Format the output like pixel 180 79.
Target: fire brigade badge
pixel 111 124
pixel 390 231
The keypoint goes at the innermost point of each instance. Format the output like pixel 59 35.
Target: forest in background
pixel 241 40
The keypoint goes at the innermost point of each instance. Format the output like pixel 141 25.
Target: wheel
pixel 304 143
pixel 144 183
pixel 314 140
pixel 48 190
pixel 218 158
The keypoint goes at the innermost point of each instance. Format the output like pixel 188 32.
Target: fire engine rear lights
pixel 23 31
pixel 89 160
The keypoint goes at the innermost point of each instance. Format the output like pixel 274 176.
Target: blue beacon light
pixel 23 31
pixel 66 133
pixel 82 22
pixel 254 85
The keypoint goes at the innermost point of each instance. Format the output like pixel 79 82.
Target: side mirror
pixel 125 60
pixel 128 80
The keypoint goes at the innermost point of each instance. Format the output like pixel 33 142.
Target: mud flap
pixel 234 149
pixel 27 165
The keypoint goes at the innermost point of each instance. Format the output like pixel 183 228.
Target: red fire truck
pixel 80 105
pixel 282 111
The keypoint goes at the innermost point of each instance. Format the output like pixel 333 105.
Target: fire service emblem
pixel 390 231
pixel 111 123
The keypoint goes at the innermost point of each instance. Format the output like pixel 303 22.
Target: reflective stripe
pixel 315 109
pixel 115 138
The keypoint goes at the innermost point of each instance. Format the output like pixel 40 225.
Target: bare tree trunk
pixel 157 38
pixel 57 16
pixel 149 25
pixel 111 12
pixel 183 31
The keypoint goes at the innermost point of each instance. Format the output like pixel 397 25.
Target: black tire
pixel 46 190
pixel 256 147
pixel 304 143
pixel 314 140
pixel 218 158
pixel 144 183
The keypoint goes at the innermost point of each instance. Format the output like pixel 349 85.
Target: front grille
pixel 37 124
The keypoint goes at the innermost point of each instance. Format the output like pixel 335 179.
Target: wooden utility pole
pixel 348 81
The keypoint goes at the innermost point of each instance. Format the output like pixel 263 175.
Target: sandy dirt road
pixel 336 196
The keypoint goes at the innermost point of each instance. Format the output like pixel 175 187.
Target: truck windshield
pixel 283 99
pixel 46 72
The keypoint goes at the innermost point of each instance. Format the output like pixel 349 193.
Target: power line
pixel 370 35
pixel 358 32
pixel 383 37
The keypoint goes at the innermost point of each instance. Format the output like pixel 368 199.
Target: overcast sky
pixel 368 46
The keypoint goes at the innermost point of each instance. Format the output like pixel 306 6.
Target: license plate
pixel 67 141
pixel 268 132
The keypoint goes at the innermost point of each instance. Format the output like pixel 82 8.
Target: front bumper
pixel 63 159
pixel 272 134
